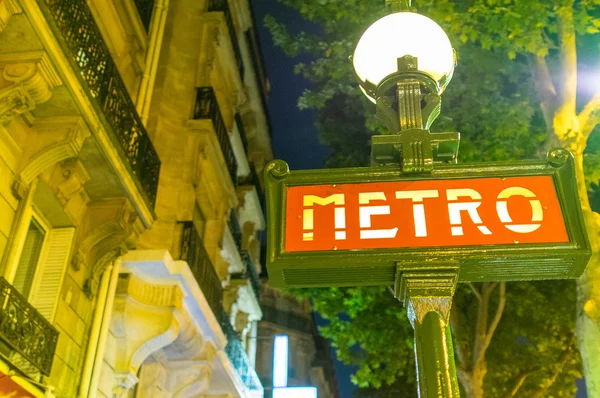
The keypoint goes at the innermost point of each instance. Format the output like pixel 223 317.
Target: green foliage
pixel 369 328
pixel 491 101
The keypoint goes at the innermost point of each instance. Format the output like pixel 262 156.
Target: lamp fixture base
pixel 416 150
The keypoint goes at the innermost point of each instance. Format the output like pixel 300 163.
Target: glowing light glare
pixel 295 392
pixel 399 34
pixel 280 361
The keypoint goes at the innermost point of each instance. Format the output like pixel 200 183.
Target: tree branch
pixel 461 346
pixel 557 370
pixel 544 87
pixel 499 311
pixel 518 383
pixel 568 60
pixel 481 325
pixel 475 291
pixel 589 117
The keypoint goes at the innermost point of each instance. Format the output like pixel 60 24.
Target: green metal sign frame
pixel 383 266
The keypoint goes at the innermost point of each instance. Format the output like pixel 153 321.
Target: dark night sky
pixel 294 134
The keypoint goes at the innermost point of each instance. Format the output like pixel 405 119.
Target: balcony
pixel 145 8
pixel 193 251
pixel 236 231
pixel 24 330
pixel 259 72
pixel 251 273
pixel 82 42
pixel 223 6
pixel 242 130
pixel 238 357
pixel 254 180
pixel 207 107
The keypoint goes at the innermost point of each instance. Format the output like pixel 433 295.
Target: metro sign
pixel 362 226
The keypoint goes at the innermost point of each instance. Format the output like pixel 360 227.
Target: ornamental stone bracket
pixel 146 318
pixel 8 8
pixel 109 229
pixel 31 77
pixel 52 140
pixel 175 379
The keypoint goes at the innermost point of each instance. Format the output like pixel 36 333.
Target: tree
pixel 514 94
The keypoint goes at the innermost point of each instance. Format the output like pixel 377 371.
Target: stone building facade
pixel 310 361
pixel 132 137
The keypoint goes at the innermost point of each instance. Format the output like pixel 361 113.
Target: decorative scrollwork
pixel 25 330
pixel 207 107
pixel 193 251
pixel 238 357
pixel 83 42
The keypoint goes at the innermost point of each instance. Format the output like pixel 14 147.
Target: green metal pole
pixel 427 293
pixel 436 371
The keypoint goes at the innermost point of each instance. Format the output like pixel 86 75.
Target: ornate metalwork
pixel 238 357
pixel 251 273
pixel 207 107
pixel 82 41
pixel 242 130
pixel 25 330
pixel 145 8
pixel 193 251
pixel 259 72
pixel 235 229
pixel 223 6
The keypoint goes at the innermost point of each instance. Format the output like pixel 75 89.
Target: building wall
pixel 309 359
pixel 89 93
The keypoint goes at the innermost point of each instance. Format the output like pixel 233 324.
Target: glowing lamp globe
pixel 399 34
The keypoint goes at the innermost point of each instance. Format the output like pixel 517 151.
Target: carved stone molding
pixel 106 227
pixel 33 75
pixel 14 101
pixel 8 8
pixel 175 379
pixel 53 140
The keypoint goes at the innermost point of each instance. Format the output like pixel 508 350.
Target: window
pixel 42 265
pixel 30 255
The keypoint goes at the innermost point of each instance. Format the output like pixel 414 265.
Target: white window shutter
pixel 51 271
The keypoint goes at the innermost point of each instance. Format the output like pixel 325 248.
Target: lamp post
pixel 416 219
pixel 403 63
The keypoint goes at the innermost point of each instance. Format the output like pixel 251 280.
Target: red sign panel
pixel 8 388
pixel 426 213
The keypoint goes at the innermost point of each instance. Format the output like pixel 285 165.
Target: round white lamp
pixel 395 36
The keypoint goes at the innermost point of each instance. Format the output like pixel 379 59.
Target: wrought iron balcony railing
pixel 242 130
pixel 145 8
pixel 193 251
pixel 287 319
pixel 251 273
pixel 235 229
pixel 238 357
pixel 207 107
pixel 259 72
pixel 223 6
pixel 81 40
pixel 26 331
